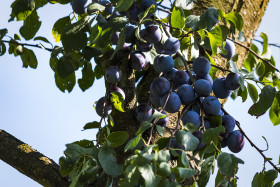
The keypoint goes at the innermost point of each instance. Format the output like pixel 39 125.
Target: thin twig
pixel 256 55
pixel 163 10
pixel 272 44
pixel 252 144
pixel 26 44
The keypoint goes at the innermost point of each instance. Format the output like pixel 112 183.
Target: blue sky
pixel 35 111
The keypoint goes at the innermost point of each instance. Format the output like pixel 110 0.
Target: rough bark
pixel 46 172
pixel 30 162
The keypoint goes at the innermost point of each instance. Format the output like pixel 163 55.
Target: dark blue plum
pixel 169 75
pixel 230 47
pixel 206 77
pixel 113 74
pixel 196 108
pixel 228 122
pixel 133 12
pixel 129 33
pixel 163 121
pixel 137 60
pixel 109 8
pixel 180 77
pixel 207 124
pixel 160 86
pixel 115 38
pixel 159 47
pixel 198 135
pixel 173 103
pixel 211 106
pixel 155 100
pixel 143 112
pixel 186 93
pixel 221 113
pixel 202 88
pixel 171 46
pixel 224 140
pixel 143 46
pixel 80 6
pixel 103 107
pixel 201 66
pixel 235 141
pixel 175 145
pixel 146 4
pixel 163 63
pixel 191 117
pixel 232 81
pixel 219 88
pixel 117 89
pixel 151 34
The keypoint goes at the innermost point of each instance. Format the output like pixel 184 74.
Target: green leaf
pixel 3 33
pixel 189 141
pixel 258 180
pixel 265 43
pixel 117 100
pixel 162 142
pixel 91 125
pixel 185 172
pixel 30 26
pixel 266 98
pixel 88 77
pixel 243 94
pixel 143 127
pixel 236 19
pixel 148 175
pixel 132 143
pixel 164 169
pixel 42 39
pixel 208 19
pixel 213 43
pixel 156 114
pixel 215 121
pixel 108 161
pixel 160 130
pixel 177 18
pixel 227 163
pixel 40 3
pixel 124 5
pixel 76 151
pixel 29 59
pixel 86 144
pixel 64 66
pixel 220 33
pixel 241 37
pixel 213 70
pixel 98 71
pixel 192 21
pixel 206 167
pixel 2 48
pixel 94 7
pixel 117 138
pixel 184 159
pixel 191 127
pixel 65 84
pixel 21 9
pixel 163 156
pixel 270 176
pixel 59 26
pixel 73 36
pixel 212 134
pixel 274 112
pixel 253 92
pixel 90 52
pixel 260 69
pixel 233 67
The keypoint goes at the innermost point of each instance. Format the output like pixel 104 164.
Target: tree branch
pixel 26 44
pixel 252 144
pixel 30 162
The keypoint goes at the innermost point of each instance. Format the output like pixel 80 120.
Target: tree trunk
pixel 45 171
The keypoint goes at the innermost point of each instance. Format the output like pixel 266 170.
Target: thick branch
pixel 30 162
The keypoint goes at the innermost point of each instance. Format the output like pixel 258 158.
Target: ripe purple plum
pixel 163 63
pixel 146 4
pixel 160 86
pixel 206 77
pixel 151 34
pixel 232 81
pixel 211 106
pixel 143 112
pixel 137 60
pixel 186 93
pixel 173 103
pixel 115 38
pixel 155 100
pixel 228 122
pixel 103 107
pixel 117 89
pixel 219 88
pixel 169 75
pixel 171 46
pixel 235 141
pixel 80 6
pixel 163 121
pixel 201 66
pixel 198 135
pixel 202 88
pixel 113 74
pixel 129 33
pixel 180 77
pixel 230 47
pixel 159 47
pixel 224 139
pixel 191 117
pixel 133 12
pixel 207 124
pixel 144 46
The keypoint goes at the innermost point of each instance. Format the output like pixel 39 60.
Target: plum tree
pixel 150 110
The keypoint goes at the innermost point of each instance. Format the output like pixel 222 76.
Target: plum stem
pixel 252 144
